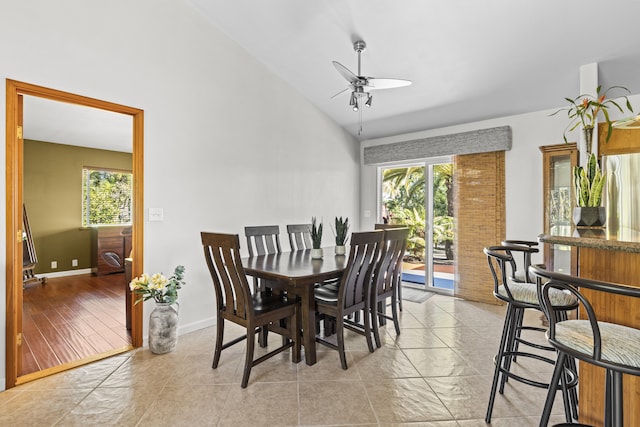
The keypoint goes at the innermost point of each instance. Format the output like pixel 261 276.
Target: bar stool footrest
pixel 573 377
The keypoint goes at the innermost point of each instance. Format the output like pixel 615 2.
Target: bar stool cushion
pixel 620 344
pixel 528 293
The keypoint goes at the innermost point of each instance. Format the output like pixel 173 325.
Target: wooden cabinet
pixel 112 245
pixel 622 141
pixel 558 201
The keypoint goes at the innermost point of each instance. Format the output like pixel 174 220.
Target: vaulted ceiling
pixel 468 60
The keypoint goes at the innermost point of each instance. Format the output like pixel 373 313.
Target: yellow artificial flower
pixel 158 287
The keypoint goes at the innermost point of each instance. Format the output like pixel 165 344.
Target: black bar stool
pixel 520 296
pixel 611 346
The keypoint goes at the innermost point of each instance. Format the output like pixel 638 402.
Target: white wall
pixel 523 170
pixel 227 144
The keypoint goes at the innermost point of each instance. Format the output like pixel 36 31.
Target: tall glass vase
pixel 588 139
pixel 163 325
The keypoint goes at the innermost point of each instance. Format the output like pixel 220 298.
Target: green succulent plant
pixel 589 183
pixel 341 230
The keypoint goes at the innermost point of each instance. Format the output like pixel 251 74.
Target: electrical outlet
pixel 54 264
pixel 74 263
pixel 367 214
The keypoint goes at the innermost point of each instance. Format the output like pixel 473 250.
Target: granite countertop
pixel 624 239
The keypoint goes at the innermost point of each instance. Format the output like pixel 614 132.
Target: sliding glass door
pixel 420 196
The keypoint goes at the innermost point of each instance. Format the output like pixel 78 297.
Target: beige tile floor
pixel 437 373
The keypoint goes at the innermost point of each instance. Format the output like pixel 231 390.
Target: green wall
pixel 53 198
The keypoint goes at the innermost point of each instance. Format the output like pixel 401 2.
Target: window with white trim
pixel 106 197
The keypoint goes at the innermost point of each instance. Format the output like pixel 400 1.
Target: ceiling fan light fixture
pixel 369 99
pixel 352 100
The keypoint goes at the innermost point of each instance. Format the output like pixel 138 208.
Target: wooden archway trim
pixel 15 90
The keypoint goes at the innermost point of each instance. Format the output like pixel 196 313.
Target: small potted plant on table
pixel 316 239
pixel 340 231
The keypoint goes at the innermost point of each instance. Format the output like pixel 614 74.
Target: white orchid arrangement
pixel 158 287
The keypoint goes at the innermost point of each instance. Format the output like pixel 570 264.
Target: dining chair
pixel 387 278
pixel 235 303
pixel 299 236
pixel 263 240
pixel 399 272
pixel 614 347
pixel 521 296
pixel 354 292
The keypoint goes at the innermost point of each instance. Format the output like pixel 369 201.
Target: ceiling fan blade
pixel 341 92
pixel 344 71
pixel 375 83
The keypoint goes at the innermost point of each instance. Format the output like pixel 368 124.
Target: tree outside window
pixel 404 198
pixel 106 197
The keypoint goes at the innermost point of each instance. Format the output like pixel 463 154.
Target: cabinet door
pixel 558 200
pixel 110 254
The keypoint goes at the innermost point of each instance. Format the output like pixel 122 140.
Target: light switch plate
pixel 156 214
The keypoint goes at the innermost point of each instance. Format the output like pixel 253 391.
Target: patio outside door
pixel 429 260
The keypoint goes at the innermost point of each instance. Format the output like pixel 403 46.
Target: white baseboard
pixel 66 273
pixel 201 324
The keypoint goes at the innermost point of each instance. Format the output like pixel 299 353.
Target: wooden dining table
pixel 297 273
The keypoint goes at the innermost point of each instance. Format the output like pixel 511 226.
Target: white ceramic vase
pixel 316 253
pixel 341 250
pixel 163 325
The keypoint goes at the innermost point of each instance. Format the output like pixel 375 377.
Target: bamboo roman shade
pixel 477 141
pixel 480 221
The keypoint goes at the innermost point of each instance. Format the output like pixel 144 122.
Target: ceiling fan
pixel 360 86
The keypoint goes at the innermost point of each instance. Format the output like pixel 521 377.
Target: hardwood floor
pixel 72 318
